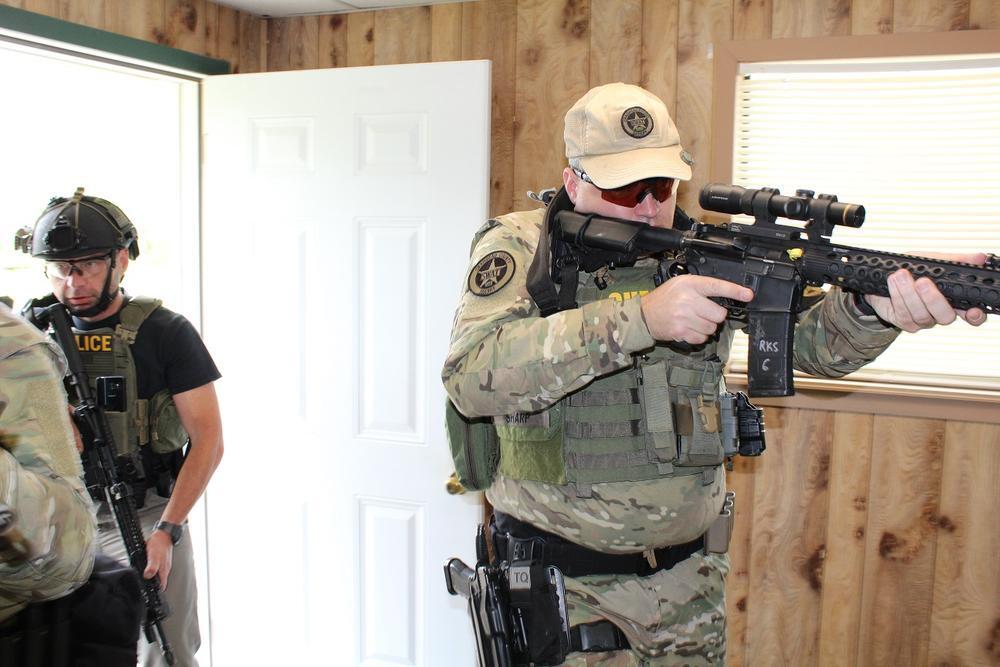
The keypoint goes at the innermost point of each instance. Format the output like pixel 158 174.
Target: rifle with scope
pixel 776 261
pixel 102 472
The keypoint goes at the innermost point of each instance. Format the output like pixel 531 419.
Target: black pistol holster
pixel 540 622
pixel 517 607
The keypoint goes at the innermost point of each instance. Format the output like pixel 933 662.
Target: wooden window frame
pixel 847 395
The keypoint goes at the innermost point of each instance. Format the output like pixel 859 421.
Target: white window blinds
pixel 918 144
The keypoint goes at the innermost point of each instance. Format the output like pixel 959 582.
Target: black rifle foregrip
pixel 866 271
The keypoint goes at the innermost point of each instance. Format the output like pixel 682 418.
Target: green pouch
pixel 531 445
pixel 475 448
pixel 166 433
pixel 698 427
pixel 696 414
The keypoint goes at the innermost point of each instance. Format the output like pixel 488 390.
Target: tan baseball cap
pixel 619 133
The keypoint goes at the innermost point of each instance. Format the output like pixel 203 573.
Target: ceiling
pixel 279 8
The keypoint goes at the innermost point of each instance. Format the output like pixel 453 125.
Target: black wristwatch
pixel 174 530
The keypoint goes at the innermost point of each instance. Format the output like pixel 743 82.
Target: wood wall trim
pixel 874 398
pixel 48 28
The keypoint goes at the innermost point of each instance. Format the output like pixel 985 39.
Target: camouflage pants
pixel 673 617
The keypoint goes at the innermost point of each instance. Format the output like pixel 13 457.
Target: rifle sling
pixel 540 284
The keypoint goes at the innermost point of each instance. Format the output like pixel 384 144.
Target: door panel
pixel 338 209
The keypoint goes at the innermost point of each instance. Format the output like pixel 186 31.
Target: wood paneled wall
pixel 862 539
pixel 198 26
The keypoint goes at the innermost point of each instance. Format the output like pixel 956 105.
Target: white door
pixel 338 210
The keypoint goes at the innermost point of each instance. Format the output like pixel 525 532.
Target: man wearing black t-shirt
pixel 168 428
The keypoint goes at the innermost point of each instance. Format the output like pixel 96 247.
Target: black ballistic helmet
pixel 74 227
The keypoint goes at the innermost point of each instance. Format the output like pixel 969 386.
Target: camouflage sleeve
pixel 34 399
pixel 48 545
pixel 833 338
pixel 505 358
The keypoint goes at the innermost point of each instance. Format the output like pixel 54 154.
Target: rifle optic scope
pixel 735 199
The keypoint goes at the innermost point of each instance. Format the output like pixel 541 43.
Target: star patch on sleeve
pixel 491 273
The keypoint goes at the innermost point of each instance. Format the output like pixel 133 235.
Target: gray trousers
pixel 181 627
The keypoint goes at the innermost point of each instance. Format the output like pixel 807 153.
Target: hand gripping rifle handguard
pixel 776 261
pixel 103 473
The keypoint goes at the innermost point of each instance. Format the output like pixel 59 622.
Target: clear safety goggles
pixel 88 267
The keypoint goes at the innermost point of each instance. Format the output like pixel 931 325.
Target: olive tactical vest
pixel 105 352
pixel 658 418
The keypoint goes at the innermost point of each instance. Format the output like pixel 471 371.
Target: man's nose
pixel 648 204
pixel 75 277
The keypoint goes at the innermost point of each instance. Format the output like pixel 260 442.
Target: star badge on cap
pixel 637 122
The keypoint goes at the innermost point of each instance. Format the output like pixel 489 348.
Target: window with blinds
pixel 918 144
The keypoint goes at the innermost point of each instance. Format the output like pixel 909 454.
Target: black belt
pixel 516 540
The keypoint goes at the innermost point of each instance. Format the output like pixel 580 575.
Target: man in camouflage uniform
pixel 607 413
pixel 47 543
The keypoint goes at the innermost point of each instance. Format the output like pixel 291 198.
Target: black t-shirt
pixel 168 353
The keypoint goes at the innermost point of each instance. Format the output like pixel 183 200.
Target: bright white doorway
pixel 125 134
pixel 128 135
pixel 338 210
